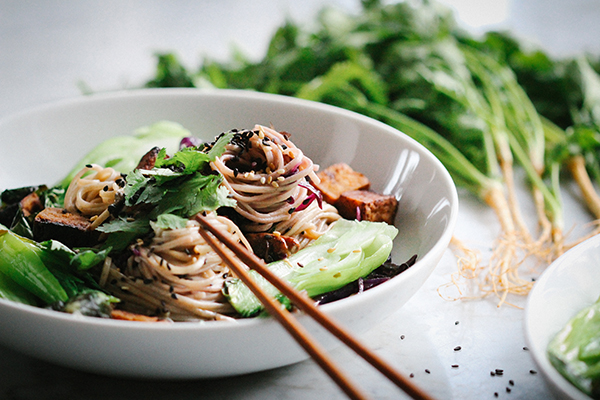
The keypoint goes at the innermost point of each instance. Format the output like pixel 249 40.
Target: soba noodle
pixel 177 274
pixel 269 178
pixel 92 191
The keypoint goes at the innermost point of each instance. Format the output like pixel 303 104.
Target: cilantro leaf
pixel 186 161
pixel 139 225
pixel 196 194
pixel 219 146
pixel 170 221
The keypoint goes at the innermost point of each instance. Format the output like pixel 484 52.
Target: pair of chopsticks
pixel 275 309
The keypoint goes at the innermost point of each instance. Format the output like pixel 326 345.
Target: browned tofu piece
pixel 69 229
pixel 368 206
pixel 31 204
pixel 149 159
pixel 340 178
pixel 271 247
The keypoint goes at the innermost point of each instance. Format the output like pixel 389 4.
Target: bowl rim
pixel 538 352
pixel 438 248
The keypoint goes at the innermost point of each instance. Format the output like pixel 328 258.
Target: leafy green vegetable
pixel 10 290
pixel 575 350
pixel 48 271
pixel 20 261
pixel 170 221
pixel 348 251
pixel 92 303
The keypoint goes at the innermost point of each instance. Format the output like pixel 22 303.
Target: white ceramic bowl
pixel 41 145
pixel 570 284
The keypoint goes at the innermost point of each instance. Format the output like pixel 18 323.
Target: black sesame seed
pixel 532 371
pixel 412 375
pixel 526 348
pixel 507 389
pixel 492 373
pixel 457 348
pixel 455 322
pixel 499 372
pixel 454 365
pixel 291 210
pixel 174 296
pixel 88 165
pixel 427 371
pixel 511 382
pixel 495 394
pixel 300 265
pixel 402 337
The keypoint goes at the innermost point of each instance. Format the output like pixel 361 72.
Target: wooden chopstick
pixel 286 319
pixel 307 305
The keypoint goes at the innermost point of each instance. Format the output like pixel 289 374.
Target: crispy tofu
pixel 31 204
pixel 367 206
pixel 149 159
pixel 271 247
pixel 340 178
pixel 70 229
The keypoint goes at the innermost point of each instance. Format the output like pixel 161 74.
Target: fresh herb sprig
pixel 175 189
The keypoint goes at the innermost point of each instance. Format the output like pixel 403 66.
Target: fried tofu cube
pixel 70 229
pixel 340 178
pixel 367 206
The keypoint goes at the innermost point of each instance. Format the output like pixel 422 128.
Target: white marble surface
pixel 48 47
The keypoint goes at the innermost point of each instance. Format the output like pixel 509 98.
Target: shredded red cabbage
pixel 189 141
pixel 313 194
pixel 384 273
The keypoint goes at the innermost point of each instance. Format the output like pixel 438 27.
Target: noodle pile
pixel 177 274
pixel 270 177
pixel 92 194
pixel 173 273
